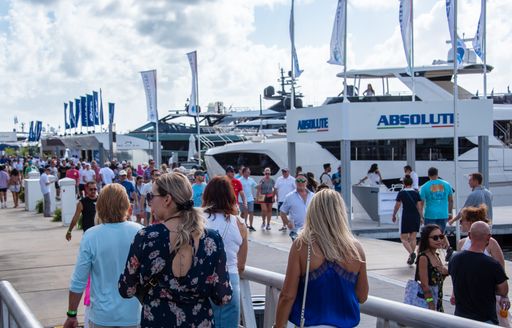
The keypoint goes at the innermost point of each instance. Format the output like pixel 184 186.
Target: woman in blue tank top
pixel 337 281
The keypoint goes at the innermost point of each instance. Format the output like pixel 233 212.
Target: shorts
pixel 3 189
pixel 81 187
pixel 15 188
pixel 249 208
pixel 57 186
pixel 279 204
pixel 268 200
pixel 440 222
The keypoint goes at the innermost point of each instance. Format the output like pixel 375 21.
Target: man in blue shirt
pixel 437 199
pixel 336 180
pixel 293 210
pixel 130 188
pixel 248 185
pixel 198 188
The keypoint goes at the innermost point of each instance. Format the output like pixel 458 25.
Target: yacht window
pixel 255 161
pixel 368 150
pixel 440 149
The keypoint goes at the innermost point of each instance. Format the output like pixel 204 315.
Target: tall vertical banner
pixel 111 109
pixel 77 112
pixel 405 17
pixel 296 71
pixel 66 124
pixel 101 109
pixel 95 108
pixel 478 40
pixel 90 111
pixel 338 35
pixel 83 109
pixel 31 132
pixel 37 130
pixel 461 47
pixel 72 120
pixel 193 108
pixel 149 82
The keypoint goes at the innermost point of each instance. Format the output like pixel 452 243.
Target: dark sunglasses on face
pixel 300 180
pixel 150 196
pixel 437 237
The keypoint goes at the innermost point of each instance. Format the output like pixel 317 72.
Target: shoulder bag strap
pixel 302 319
pixel 413 202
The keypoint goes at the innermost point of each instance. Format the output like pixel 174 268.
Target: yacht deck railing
pixel 388 313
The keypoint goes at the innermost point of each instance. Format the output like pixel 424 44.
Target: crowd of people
pixel 163 247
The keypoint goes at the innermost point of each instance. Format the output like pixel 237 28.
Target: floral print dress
pixel 176 301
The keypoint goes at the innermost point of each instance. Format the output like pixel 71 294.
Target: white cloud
pixel 60 50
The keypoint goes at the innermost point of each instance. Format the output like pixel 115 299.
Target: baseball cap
pixel 285 169
pixel 122 172
pixel 230 168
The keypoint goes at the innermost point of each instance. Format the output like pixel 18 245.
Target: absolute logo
pixel 404 121
pixel 313 125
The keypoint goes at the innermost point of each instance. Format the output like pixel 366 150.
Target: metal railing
pixel 13 311
pixel 388 313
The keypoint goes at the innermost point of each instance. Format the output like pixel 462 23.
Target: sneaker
pixel 251 228
pixel 411 258
pixel 268 227
pixel 263 225
pixel 449 253
pixel 283 228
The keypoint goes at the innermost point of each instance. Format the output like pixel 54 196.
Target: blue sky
pixel 52 51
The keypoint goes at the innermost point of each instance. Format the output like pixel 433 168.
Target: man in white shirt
pixel 106 174
pixel 285 184
pixel 146 189
pixel 325 177
pixel 293 211
pixel 249 186
pixel 44 183
pixel 88 174
pixel 415 180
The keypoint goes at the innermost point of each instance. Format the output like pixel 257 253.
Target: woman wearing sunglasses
pixel 430 270
pixel 180 263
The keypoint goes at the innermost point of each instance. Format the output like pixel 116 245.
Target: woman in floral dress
pixel 187 259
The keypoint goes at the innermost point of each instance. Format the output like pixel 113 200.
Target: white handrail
pixel 13 310
pixel 384 310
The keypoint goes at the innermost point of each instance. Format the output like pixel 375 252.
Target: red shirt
pixel 73 174
pixel 237 187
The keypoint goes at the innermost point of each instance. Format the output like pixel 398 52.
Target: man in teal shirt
pixel 198 188
pixel 437 198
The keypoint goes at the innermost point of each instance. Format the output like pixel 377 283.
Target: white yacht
pixel 432 83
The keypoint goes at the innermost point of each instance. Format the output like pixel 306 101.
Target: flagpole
pixel 198 118
pixel 292 100
pixel 412 53
pixel 484 45
pixel 455 114
pixel 157 137
pixel 345 54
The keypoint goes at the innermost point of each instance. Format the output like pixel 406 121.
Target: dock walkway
pixel 36 258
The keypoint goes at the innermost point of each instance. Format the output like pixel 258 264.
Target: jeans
pixel 47 205
pixel 228 315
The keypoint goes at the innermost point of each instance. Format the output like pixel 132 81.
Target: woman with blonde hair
pixel 103 249
pixel 175 268
pixel 327 264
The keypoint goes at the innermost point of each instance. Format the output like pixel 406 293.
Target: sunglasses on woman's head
pixel 437 237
